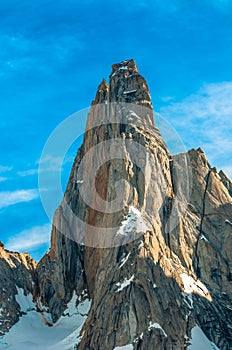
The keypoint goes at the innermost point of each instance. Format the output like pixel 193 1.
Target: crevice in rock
pixel 197 269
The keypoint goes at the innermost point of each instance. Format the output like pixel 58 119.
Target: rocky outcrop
pixel 17 276
pixel 61 272
pixel 127 85
pixel 145 235
pixel 226 181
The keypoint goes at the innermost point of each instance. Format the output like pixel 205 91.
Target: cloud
pixel 4 168
pixel 27 172
pixel 48 164
pixel 167 98
pixel 3 178
pixel 51 163
pixel 29 239
pixel 8 198
pixel 205 119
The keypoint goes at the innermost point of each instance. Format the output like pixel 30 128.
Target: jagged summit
pixel 102 94
pixel 126 85
pixel 226 181
pixel 127 66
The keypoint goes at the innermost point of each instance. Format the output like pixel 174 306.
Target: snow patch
pixel 25 301
pixel 124 347
pixel 132 113
pixel 192 286
pixel 124 260
pixel 228 222
pixel 204 238
pixel 188 299
pixel 124 284
pixel 199 341
pixel 121 68
pixel 133 223
pixel 157 326
pixel 129 92
pixel 79 181
pixel 137 339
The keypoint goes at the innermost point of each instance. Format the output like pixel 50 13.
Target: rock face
pixel 17 275
pixel 152 252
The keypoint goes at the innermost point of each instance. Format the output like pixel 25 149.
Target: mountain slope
pixel 17 277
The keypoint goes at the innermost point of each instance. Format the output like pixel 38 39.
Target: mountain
pixel 17 276
pixel 141 241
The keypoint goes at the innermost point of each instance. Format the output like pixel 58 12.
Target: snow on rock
pixel 199 341
pixel 228 222
pixel 124 347
pixel 25 301
pixel 204 238
pixel 124 260
pixel 157 326
pixel 188 299
pixel 129 91
pixel 124 284
pixel 133 223
pixel 120 68
pixel 192 286
pixel 141 245
pixel 132 113
pixel 32 331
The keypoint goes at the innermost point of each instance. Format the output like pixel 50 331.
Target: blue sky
pixel 54 54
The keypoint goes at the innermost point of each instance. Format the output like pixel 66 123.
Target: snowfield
pixel 199 341
pixel 132 223
pixel 32 332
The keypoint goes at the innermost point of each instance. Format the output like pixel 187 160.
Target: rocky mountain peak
pixel 158 268
pixel 127 85
pixel 102 94
pixel 127 66
pixel 226 181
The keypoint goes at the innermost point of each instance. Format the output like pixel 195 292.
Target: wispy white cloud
pixel 167 98
pixel 2 178
pixel 47 164
pixel 4 168
pixel 205 119
pixel 51 163
pixel 8 198
pixel 29 239
pixel 27 172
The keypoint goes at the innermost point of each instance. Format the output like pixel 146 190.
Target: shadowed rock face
pixel 175 272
